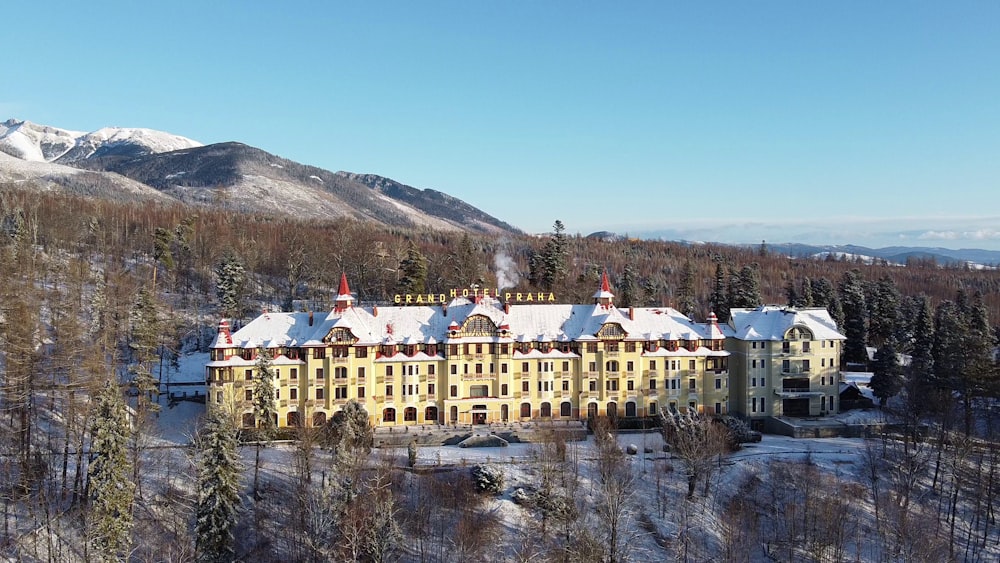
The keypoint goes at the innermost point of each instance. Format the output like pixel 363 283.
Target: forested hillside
pixel 96 296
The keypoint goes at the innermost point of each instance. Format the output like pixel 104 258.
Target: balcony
pixel 340 360
pixel 611 353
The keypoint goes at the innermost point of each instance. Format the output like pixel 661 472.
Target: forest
pixel 98 296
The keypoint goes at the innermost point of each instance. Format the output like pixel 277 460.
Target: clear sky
pixel 730 121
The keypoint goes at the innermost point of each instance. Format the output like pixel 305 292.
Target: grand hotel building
pixel 475 359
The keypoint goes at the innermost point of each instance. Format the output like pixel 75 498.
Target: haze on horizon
pixel 789 122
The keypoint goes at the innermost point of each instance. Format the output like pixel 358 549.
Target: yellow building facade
pixel 475 359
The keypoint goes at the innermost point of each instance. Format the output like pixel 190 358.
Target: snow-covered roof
pixel 430 324
pixel 769 322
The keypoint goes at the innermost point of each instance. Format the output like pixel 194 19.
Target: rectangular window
pixel 360 352
pixel 718 383
pixel 762 404
pixel 565 366
pixel 524 367
pixel 503 368
pixel 691 364
pixel 565 385
pixel 805 347
pixel 249 394
pixel 652 365
pixel 652 384
pixel 630 346
pixel 753 382
pixel 388 371
pixel 525 388
pixel 319 373
pixel 361 392
pixel 320 394
pixel 629 366
pixel 692 384
pixel 431 369
pixel 431 389
pixel 503 389
pixel 293 394
pixel 611 385
pixel 805 365
pixel 340 373
pixel 593 367
pixel 248 374
pixel 319 353
pixel 479 368
pixel 593 385
pixel 592 347
pixel 293 373
pixel 674 383
pixel 340 392
pixel 630 385
pixel 388 390
pixel 454 369
pixel 753 407
pixel 277 393
pixel 718 408
pixel 453 390
pixel 361 372
pixel 479 391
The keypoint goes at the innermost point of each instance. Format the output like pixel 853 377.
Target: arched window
pixel 611 365
pixel 546 410
pixel 525 410
pixel 410 414
pixel 249 421
pixel 454 414
pixel 292 419
pixel 612 409
pixel 389 415
pixel 319 419
pixel 431 414
pixel 592 410
pixel 566 409
pixel 630 408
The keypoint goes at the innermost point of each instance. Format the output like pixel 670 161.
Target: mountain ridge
pixel 120 161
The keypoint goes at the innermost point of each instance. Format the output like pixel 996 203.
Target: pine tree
pixel 230 279
pixel 629 288
pixel 218 489
pixel 111 489
pixel 685 290
pixel 807 293
pixel 852 296
pixel 791 294
pixel 884 316
pixel 744 288
pixel 265 410
pixel 920 377
pixel 548 268
pixel 465 268
pixel 413 272
pixel 719 299
pixel 887 376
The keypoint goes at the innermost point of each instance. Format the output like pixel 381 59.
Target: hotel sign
pixel 507 296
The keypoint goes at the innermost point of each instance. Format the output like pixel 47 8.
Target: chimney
pixel 631 313
pixel 374 311
pixel 506 308
pixel 444 309
pixel 310 318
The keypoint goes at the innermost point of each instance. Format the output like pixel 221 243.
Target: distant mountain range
pixel 893 254
pixel 131 164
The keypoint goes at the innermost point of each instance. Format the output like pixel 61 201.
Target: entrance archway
pixel 630 408
pixel 525 410
pixel 546 410
pixel 566 409
pixel 612 409
pixel 431 414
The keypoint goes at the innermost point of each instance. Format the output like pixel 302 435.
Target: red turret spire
pixel 344 299
pixel 603 297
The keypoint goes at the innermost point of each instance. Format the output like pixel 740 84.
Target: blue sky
pixel 864 122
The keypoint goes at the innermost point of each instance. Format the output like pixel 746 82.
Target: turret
pixel 604 297
pixel 344 301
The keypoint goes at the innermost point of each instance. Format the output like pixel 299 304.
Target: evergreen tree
pixel 111 489
pixel 852 296
pixel 791 294
pixel 887 376
pixel 628 288
pixel 948 348
pixel 413 271
pixel 230 279
pixel 465 268
pixel 920 376
pixel 744 288
pixel 719 299
pixel 685 290
pixel 884 316
pixel 548 268
pixel 265 410
pixel 807 293
pixel 218 489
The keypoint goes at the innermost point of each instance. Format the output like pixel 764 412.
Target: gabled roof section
pixel 769 322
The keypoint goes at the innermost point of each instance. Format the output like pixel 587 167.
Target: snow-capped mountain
pixel 142 163
pixel 41 143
